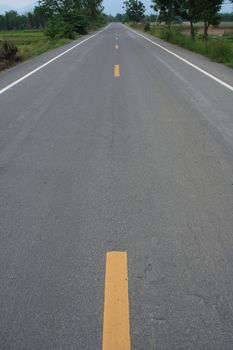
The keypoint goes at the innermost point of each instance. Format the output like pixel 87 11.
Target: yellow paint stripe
pixel 116 330
pixel 116 70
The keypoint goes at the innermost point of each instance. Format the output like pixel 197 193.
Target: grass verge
pixel 218 49
pixel 30 43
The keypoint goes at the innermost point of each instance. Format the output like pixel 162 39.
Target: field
pixel 221 29
pixel 218 47
pixel 31 43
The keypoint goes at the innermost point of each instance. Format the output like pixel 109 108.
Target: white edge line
pixel 186 61
pixel 47 63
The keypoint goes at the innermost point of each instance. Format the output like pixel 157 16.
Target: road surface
pixel 116 146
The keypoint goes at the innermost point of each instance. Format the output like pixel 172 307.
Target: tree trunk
pixel 192 32
pixel 206 27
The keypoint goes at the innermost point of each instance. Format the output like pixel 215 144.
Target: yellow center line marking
pixel 116 70
pixel 116 328
pixel 116 47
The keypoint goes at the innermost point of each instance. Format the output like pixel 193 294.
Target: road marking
pixel 47 63
pixel 116 47
pixel 116 70
pixel 221 82
pixel 116 328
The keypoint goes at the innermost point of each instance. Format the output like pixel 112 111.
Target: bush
pixel 220 50
pixel 8 54
pixel 58 28
pixel 8 51
pixel 147 27
pixel 79 23
pixel 166 34
pixel 67 25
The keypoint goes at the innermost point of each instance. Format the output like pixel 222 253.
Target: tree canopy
pixel 61 18
pixel 135 10
pixel 191 10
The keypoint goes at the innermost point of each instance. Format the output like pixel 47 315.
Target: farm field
pixel 31 42
pixel 221 29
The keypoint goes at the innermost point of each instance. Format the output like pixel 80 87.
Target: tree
pixel 168 10
pixel 209 13
pixel 12 20
pixel 135 10
pixel 40 16
pixel 93 8
pixel 191 11
pixel 226 17
pixel 119 17
pixel 65 17
pixel 62 18
pixel 151 18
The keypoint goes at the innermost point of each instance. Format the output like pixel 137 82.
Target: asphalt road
pixel 92 163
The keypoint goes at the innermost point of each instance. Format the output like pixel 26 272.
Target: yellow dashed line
pixel 116 70
pixel 116 328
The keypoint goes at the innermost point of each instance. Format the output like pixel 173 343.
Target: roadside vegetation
pixel 17 46
pixel 52 23
pixel 196 25
pixel 217 48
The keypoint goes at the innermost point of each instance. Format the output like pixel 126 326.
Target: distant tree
pixel 226 17
pixel 2 22
pixel 31 19
pixel 12 20
pixel 119 17
pixel 135 10
pixel 40 16
pixel 151 18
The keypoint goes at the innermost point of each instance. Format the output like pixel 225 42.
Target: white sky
pixel 111 6
pixel 16 3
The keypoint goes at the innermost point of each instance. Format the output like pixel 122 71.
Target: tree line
pixel 60 18
pixel 65 18
pixel 35 19
pixel 169 11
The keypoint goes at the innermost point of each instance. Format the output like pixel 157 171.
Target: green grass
pixel 31 43
pixel 218 49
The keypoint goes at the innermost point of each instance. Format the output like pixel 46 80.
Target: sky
pixel 16 3
pixel 114 6
pixel 111 6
